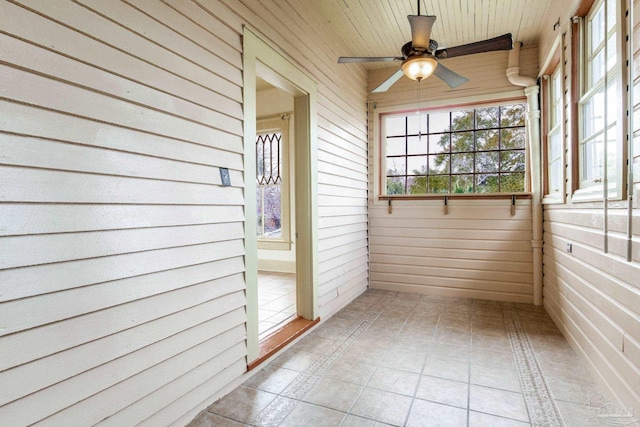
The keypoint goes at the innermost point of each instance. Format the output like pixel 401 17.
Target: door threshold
pixel 280 338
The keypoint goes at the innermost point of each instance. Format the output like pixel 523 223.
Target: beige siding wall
pixel 121 255
pixel 594 297
pixel 476 248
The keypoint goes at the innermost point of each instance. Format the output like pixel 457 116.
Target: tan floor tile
pixel 424 333
pixel 451 352
pixel 446 368
pixel 571 391
pixel 421 316
pixel 504 379
pixel 455 324
pixel 575 415
pixel 359 352
pixel 429 414
pixel 243 404
pixel 296 360
pixel 403 360
pixel 486 311
pixel 445 391
pixel 493 343
pixel 480 356
pixel 329 332
pixel 498 402
pixel 272 379
pixel 345 370
pixel 394 381
pixel 374 339
pixel 489 326
pixel 563 370
pixel 344 322
pixel 334 394
pixel 561 354
pixel 477 419
pixel 306 414
pixel 407 344
pixel 452 337
pixel 354 421
pixel 382 406
pixel 314 344
pixel 551 342
pixel 387 325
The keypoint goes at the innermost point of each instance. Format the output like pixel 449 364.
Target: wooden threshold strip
pixel 280 338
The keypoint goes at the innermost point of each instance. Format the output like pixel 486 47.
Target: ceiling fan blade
pixel 389 82
pixel 449 77
pixel 348 59
pixel 503 42
pixel 421 30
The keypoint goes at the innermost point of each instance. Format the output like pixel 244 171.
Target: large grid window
pixel 476 150
pixel 599 148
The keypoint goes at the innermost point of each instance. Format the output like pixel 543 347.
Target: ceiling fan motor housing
pixel 408 49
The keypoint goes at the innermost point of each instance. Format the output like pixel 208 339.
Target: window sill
pixel 467 196
pixel 271 245
pixel 595 194
pixel 553 199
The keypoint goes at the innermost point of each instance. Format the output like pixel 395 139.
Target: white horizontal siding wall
pixel 476 249
pixel 122 291
pixel 595 297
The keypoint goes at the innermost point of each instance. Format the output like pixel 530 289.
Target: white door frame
pixel 261 60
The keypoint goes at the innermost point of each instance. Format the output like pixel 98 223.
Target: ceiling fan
pixel 420 57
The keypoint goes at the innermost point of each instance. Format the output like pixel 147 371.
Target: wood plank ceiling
pixel 380 27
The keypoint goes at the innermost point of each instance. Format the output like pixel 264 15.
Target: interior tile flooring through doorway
pixel 276 300
pixel 414 360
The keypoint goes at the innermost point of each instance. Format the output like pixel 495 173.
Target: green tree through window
pixel 480 150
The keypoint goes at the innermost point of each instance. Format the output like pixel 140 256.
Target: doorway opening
pixel 284 244
pixel 275 208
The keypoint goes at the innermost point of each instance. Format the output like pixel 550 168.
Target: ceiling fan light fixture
pixel 419 67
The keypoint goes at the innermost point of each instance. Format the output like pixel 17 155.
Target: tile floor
pixel 410 360
pixel 276 300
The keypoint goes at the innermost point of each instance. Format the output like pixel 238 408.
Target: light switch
pixel 224 177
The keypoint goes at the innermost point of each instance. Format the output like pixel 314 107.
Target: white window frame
pixel 449 105
pixel 591 188
pixel 555 128
pixel 281 125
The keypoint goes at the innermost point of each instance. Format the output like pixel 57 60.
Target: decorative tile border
pixel 540 404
